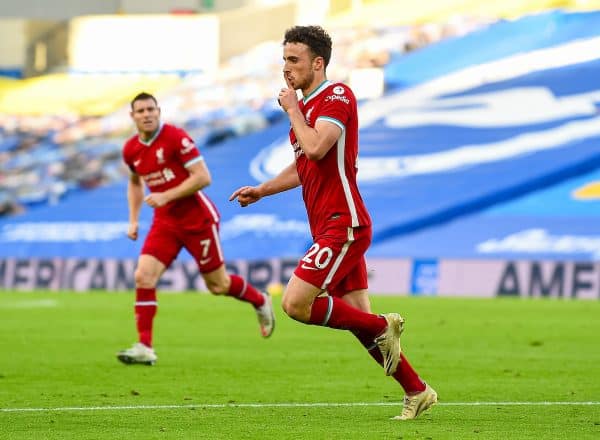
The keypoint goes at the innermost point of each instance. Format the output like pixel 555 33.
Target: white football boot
pixel 266 317
pixel 138 354
pixel 389 342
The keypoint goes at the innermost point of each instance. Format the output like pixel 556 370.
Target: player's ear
pixel 318 63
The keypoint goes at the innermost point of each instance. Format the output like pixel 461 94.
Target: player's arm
pixel 285 180
pixel 199 177
pixel 135 198
pixel 315 142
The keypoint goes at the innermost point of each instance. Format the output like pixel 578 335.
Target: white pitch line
pixel 283 405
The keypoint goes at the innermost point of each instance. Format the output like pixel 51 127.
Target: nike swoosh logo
pixel 205 260
pixel 136 163
pixel 304 266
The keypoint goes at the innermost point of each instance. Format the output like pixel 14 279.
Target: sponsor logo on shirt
pixel 331 98
pixel 159 177
pixel 137 162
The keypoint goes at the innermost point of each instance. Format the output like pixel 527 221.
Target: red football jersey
pixel 329 185
pixel 161 162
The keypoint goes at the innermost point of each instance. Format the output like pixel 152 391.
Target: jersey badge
pixel 338 90
pixel 307 116
pixel 160 155
pixel 188 145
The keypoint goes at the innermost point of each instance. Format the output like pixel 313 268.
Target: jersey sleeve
pixel 186 149
pixel 338 106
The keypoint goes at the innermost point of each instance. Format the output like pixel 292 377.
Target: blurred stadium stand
pixel 483 148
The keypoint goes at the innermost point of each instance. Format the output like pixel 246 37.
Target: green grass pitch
pixel 494 362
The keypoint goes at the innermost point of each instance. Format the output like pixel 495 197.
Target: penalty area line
pixel 280 405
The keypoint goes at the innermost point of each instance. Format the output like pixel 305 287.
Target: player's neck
pixel 145 136
pixel 317 82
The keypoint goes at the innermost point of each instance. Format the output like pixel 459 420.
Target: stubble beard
pixel 306 85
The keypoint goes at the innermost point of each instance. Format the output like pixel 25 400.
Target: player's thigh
pixel 205 247
pixel 162 243
pixel 335 261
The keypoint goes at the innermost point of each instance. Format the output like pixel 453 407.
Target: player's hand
pixel 245 195
pixel 156 200
pixel 287 97
pixel 132 231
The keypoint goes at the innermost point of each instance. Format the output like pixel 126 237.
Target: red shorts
pixel 164 243
pixel 336 261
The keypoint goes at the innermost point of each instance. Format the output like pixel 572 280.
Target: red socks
pixel 146 305
pixel 405 375
pixel 408 377
pixel 329 311
pixel 145 310
pixel 243 291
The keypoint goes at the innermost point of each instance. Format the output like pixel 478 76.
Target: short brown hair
pixel 142 97
pixel 315 37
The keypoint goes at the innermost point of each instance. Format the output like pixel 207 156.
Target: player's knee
pixel 295 309
pixel 216 288
pixel 144 279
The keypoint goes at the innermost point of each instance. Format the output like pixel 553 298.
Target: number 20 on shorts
pixel 322 256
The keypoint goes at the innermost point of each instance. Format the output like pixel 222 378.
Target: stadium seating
pixel 456 113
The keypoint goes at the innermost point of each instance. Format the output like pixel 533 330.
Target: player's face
pixel 300 68
pixel 146 115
